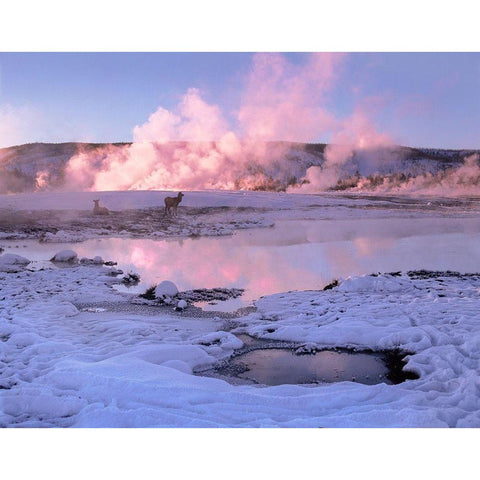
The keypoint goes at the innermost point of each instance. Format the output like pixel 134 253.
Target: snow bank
pixel 75 352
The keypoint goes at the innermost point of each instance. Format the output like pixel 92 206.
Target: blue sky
pixel 423 99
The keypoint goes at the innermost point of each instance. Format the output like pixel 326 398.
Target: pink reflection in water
pixel 367 247
pixel 295 255
pixel 212 262
pixel 288 257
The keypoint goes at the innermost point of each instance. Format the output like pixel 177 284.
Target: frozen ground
pixel 76 352
pixel 68 217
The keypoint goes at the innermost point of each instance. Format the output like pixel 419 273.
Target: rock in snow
pixel 166 289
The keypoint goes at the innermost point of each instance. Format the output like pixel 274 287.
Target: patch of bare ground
pixel 140 223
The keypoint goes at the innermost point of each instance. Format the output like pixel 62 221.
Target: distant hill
pixel 41 166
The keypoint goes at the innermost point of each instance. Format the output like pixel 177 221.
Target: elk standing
pixel 171 204
pixel 98 210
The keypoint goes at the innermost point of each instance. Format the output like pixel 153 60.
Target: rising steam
pixel 194 147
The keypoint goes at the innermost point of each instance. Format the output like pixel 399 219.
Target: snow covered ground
pixel 76 352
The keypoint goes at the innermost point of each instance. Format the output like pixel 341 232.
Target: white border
pixel 249 25
pixel 213 25
pixel 239 453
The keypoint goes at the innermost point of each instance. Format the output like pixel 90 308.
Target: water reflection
pixel 281 366
pixel 295 255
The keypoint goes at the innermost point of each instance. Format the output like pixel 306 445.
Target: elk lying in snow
pixel 98 210
pixel 172 203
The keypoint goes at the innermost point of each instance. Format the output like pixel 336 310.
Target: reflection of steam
pixel 278 261
pixel 266 261
pixel 261 270
pixel 369 246
pixel 208 263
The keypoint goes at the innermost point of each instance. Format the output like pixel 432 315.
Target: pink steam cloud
pixel 180 149
pixel 282 101
pixel 195 121
pixel 193 146
pixel 462 180
pixel 354 135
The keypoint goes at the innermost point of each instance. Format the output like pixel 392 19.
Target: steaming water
pixel 294 255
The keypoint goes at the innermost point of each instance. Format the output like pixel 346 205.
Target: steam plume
pixel 354 136
pixel 193 147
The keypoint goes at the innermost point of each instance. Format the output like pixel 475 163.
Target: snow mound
pixel 92 261
pixel 181 305
pixel 385 283
pixel 65 256
pixel 219 344
pixel 64 309
pixel 178 365
pixel 11 263
pixel 165 289
pixel 62 237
